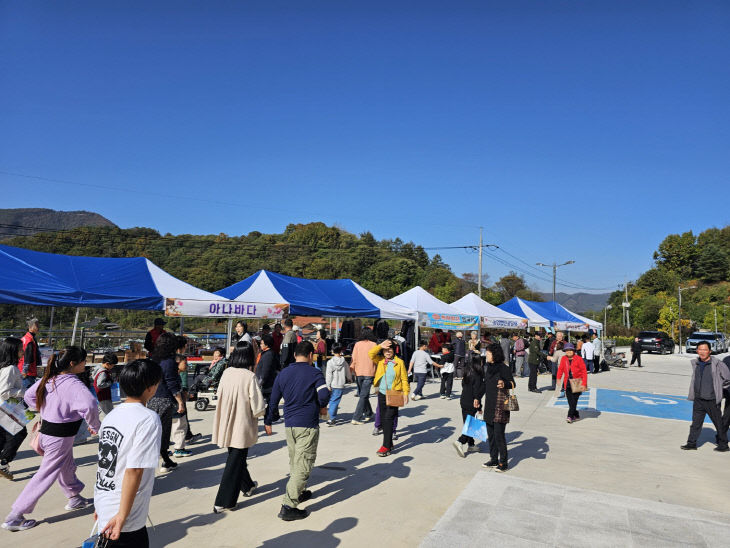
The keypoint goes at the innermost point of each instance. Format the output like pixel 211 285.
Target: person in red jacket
pixel 572 367
pixel 31 359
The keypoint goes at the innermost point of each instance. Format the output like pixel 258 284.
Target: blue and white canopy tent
pixel 557 315
pixel 518 307
pixel 47 279
pixel 328 298
pixel 490 315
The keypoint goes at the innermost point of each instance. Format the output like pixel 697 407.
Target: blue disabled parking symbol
pixel 658 406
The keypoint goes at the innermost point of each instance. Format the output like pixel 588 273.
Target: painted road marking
pixel 659 406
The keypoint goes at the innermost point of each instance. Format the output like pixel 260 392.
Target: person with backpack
pixel 472 391
pixel 102 380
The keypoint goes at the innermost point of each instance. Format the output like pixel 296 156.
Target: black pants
pixel 447 381
pixel 235 478
pixel 700 408
pixel 497 442
pixel 165 408
pixel 532 382
pixel 459 362
pixel 388 413
pixel 9 444
pixel 465 413
pixel 275 416
pixel 726 416
pixel 133 539
pixel 635 357
pixel 572 398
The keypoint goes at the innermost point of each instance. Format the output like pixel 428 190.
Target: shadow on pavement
pixel 320 539
pixel 357 480
pixel 518 450
pixel 171 531
pixel 431 431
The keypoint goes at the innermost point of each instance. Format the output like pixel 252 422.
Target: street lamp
pixel 555 268
pixel 605 321
pixel 680 312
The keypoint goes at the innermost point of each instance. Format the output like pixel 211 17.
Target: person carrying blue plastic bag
pixel 472 391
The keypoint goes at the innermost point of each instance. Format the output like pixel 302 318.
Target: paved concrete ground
pixel 510 511
pixel 396 501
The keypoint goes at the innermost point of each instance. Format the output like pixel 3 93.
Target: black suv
pixel 656 341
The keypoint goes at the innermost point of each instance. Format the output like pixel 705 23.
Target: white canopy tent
pixel 490 315
pixel 422 301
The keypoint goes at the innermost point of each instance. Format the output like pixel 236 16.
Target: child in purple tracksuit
pixel 64 402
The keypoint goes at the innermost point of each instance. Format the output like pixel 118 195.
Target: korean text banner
pixel 223 309
pixel 457 322
pixel 520 323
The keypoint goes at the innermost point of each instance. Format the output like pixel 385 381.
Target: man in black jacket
pixel 533 360
pixel 636 351
pixel 266 369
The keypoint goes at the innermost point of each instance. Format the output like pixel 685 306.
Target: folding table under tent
pixel 47 279
pixel 328 298
pixel 490 315
pixel 518 307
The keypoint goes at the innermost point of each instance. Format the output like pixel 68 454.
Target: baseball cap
pixel 568 346
pixel 159 321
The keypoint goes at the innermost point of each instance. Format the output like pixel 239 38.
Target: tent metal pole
pixel 76 324
pixel 228 336
pixel 50 326
pixel 337 329
pixel 182 325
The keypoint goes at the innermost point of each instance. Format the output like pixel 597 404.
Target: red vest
pixel 32 367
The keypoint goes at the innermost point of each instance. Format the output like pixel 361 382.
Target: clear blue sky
pixel 577 130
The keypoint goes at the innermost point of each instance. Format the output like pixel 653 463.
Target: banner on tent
pixel 456 322
pixel 518 323
pixel 189 307
pixel 572 326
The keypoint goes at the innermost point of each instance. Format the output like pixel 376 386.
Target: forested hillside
pixel 686 260
pixel 386 267
pixel 29 221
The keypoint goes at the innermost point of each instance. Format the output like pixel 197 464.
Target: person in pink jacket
pixel 572 367
pixel 64 402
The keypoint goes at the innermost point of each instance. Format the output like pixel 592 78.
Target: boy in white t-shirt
pixel 129 447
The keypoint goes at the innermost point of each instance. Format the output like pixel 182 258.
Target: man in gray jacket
pixel 710 377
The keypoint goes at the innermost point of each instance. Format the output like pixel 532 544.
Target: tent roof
pixel 342 298
pixel 47 279
pixel 591 323
pixel 420 300
pixel 472 304
pixel 518 307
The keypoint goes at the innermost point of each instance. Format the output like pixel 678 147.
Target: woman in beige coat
pixel 235 427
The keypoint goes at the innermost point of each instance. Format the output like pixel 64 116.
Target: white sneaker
pixel 252 490
pixel 459 449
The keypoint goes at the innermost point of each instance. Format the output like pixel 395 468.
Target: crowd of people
pixel 251 379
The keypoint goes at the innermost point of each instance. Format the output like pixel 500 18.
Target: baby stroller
pixel 612 358
pixel 203 388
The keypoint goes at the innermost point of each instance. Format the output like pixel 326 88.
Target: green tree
pixel 677 253
pixel 508 286
pixel 712 263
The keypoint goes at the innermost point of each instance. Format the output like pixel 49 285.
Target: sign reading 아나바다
pixel 456 322
pixel 223 309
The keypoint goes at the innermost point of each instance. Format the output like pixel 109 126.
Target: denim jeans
pixel 28 382
pixel 420 381
pixel 363 409
pixel 335 402
pixel 589 366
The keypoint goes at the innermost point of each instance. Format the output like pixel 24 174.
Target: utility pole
pixel 555 266
pixel 481 247
pixel 626 304
pixel 605 320
pixel 715 319
pixel 680 289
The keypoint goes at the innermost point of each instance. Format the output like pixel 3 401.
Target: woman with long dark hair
pixel 11 386
pixel 168 398
pixel 472 391
pixel 235 426
pixel 64 402
pixel 498 380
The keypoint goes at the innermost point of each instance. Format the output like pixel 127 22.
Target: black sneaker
pixel 305 496
pixel 722 449
pixel 502 467
pixel 287 513
pixel 490 464
pixel 688 447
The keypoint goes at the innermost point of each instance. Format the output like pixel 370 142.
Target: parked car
pixel 656 341
pixel 718 342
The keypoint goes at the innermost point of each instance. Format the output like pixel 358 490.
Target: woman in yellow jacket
pixel 390 374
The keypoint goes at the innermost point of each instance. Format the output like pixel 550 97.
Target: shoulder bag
pixel 511 403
